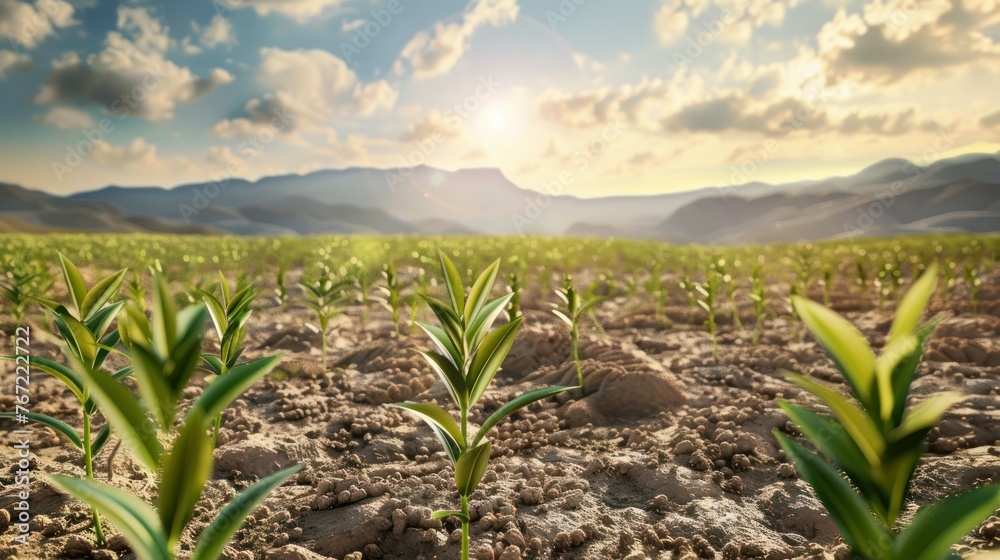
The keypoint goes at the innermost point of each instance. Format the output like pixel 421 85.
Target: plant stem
pixel 215 433
pixel 575 340
pixel 88 461
pixel 465 528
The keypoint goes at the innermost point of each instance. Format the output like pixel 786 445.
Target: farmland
pixel 668 451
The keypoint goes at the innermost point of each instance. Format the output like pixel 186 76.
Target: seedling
pixel 877 441
pixel 363 286
pixel 862 274
pixel 281 289
pixel 516 287
pixel 827 283
pixel 692 290
pixel 229 316
pixel 84 330
pixel 392 292
pixel 468 356
pixel 974 282
pixel 164 354
pixel 136 291
pixel 21 286
pixel 728 281
pixel 707 293
pixel 325 296
pixel 571 312
pixel 758 294
pixel 657 289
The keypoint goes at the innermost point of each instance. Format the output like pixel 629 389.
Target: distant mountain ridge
pixel 889 197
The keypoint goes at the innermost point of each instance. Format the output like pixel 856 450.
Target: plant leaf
pixel 844 344
pixel 58 425
pixel 101 293
pixel 453 282
pixel 137 521
pixel 912 306
pixel 436 417
pixel 186 467
pixel 860 530
pixel 216 536
pixel 480 291
pixel 470 468
pixel 127 416
pixel 450 376
pixel 489 356
pixel 225 389
pixel 441 514
pixel 57 370
pixel 481 322
pixel 935 528
pixel 515 405
pixel 75 285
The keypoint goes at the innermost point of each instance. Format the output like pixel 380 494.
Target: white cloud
pixel 218 32
pixel 299 10
pixel 11 61
pixel 431 54
pixel 307 78
pixel 68 118
pixel 369 98
pixel 28 24
pixel 131 76
pixel 434 125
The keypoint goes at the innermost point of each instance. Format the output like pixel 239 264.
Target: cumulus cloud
pixel 433 125
pixel 299 10
pixel 68 118
pixel 727 21
pixel 272 112
pixel 27 24
pixel 437 52
pixel 890 39
pixel 131 76
pixel 218 32
pixel 369 98
pixel 12 62
pixel 137 152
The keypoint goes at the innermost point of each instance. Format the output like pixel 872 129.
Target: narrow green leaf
pixel 562 316
pixel 935 528
pixel 137 521
pixel 480 291
pixel 127 416
pixel 489 356
pixel 225 389
pixel 855 522
pixel 100 439
pixel 862 428
pixel 443 342
pixel 912 306
pixel 164 321
pixel 217 313
pixel 216 536
pixel 101 293
pixel 923 416
pixel 441 514
pixel 186 467
pixel 515 405
pixel 453 282
pixel 483 321
pixel 844 344
pixel 57 370
pixel 470 468
pixel 75 285
pixel 58 425
pixel 436 417
pixel 450 376
pixel 215 364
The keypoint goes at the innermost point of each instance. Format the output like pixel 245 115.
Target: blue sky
pixel 625 97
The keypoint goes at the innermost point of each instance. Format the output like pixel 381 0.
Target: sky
pixel 636 97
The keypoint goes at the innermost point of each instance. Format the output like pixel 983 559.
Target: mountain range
pixel 894 196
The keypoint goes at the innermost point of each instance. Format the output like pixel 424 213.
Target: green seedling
pixel 281 289
pixel 862 275
pixel 948 270
pixel 730 284
pixel 21 287
pixel 516 288
pixel 708 292
pixel 229 317
pixel 468 357
pixel 827 283
pixel 392 294
pixel 87 338
pixel 656 289
pixel 363 286
pixel 164 353
pixel 691 288
pixel 324 296
pixel 758 294
pixel 571 312
pixel 974 283
pixel 136 291
pixel 876 440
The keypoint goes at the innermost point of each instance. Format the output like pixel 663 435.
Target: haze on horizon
pixel 665 95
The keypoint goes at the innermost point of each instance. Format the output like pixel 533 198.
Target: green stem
pixel 465 427
pixel 575 340
pixel 465 528
pixel 215 433
pixel 88 461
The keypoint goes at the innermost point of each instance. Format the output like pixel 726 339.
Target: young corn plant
pixel 572 311
pixel 324 296
pixel 974 283
pixel 392 294
pixel 691 288
pixel 85 329
pixel 657 289
pixel 877 440
pixel 229 317
pixel 21 286
pixel 758 294
pixel 516 288
pixel 164 353
pixel 708 292
pixel 281 289
pixel 136 292
pixel 730 283
pixel 468 356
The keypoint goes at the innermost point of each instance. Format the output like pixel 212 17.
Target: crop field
pixel 421 398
